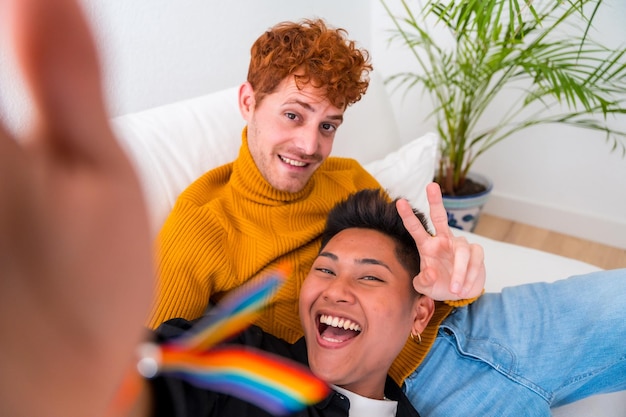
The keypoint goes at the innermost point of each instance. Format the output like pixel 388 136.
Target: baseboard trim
pixel 611 232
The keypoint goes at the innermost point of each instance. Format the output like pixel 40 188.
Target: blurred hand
pixel 451 267
pixel 76 274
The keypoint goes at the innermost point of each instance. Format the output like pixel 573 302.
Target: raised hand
pixel 451 267
pixel 76 274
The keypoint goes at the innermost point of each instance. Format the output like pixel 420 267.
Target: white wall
pixel 555 177
pixel 159 51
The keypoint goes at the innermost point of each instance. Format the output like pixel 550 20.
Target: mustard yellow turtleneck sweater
pixel 231 225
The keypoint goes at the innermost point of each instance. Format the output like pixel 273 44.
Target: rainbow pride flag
pixel 276 384
pixel 235 312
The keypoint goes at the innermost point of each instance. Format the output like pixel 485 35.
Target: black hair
pixel 372 209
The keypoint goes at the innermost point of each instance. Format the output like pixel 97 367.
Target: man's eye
pixel 325 271
pixel 372 278
pixel 291 116
pixel 328 127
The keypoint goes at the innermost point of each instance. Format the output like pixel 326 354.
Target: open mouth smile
pixel 336 329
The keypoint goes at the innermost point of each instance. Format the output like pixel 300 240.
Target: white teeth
pixel 339 322
pixel 293 162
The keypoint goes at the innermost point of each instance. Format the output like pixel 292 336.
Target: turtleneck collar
pixel 249 182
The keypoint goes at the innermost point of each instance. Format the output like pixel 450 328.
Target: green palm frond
pixel 523 46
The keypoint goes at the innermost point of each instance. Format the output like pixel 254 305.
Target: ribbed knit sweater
pixel 231 225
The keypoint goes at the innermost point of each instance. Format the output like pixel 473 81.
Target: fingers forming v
pixel 438 214
pixel 411 222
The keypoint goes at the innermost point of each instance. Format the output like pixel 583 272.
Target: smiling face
pixel 290 132
pixel 358 307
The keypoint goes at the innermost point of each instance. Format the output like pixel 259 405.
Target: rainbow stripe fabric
pixel 278 385
pixel 235 312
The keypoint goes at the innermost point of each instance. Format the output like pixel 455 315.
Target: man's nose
pixel 339 290
pixel 308 141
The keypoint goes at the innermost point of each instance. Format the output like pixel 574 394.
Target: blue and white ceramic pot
pixel 464 211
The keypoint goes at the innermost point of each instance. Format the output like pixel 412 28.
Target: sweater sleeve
pixel 188 249
pixel 463 302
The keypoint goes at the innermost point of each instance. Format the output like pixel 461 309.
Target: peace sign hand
pixel 451 268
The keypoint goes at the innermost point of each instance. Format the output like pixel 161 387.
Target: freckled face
pixel 290 133
pixel 357 307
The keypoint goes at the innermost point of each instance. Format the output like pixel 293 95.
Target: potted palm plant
pixel 468 53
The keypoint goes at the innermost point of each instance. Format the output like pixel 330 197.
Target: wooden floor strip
pixel 509 231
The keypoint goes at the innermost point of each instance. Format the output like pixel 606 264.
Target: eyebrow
pixel 310 108
pixel 364 261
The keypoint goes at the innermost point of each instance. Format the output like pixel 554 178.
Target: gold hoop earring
pixel 417 338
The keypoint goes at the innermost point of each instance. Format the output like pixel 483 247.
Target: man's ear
pixel 247 101
pixel 424 310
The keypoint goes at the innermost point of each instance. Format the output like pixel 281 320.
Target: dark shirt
pixel 174 397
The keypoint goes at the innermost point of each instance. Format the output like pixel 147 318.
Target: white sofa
pixel 174 144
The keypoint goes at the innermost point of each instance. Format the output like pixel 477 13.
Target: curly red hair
pixel 313 53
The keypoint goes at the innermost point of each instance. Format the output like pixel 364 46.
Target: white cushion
pixel 523 265
pixel 172 145
pixel 406 171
